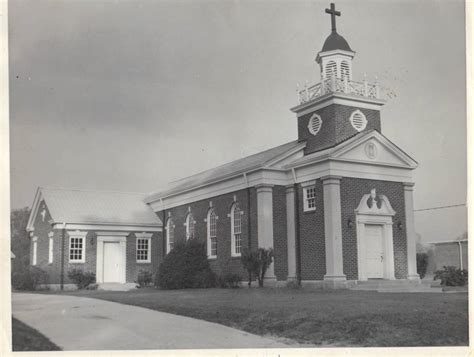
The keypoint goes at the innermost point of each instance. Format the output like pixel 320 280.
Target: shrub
pixel 257 262
pixel 144 278
pixel 29 278
pixel 80 278
pixel 421 264
pixel 293 284
pixel 186 266
pixel 451 276
pixel 229 280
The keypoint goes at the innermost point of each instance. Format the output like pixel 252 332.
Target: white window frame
pixel 169 226
pixel 307 188
pixel 209 237
pixel 81 236
pixel 143 237
pixel 50 247
pixel 234 253
pixel 35 251
pixel 190 217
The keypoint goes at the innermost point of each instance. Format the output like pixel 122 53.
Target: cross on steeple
pixel 333 13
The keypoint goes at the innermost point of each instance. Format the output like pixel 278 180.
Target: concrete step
pixel 401 285
pixel 410 290
pixel 117 286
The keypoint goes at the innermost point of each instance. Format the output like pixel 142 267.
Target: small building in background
pixel 448 253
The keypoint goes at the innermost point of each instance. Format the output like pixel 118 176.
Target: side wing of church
pixel 335 205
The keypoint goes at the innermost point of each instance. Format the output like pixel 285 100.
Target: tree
pixel 257 262
pixel 20 241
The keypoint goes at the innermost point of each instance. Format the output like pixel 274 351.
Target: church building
pixel 335 204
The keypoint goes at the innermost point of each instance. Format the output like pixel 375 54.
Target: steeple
pixel 337 107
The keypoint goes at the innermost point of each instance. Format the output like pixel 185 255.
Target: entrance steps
pixel 399 286
pixel 116 286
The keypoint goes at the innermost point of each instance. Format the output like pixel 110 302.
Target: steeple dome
pixel 335 42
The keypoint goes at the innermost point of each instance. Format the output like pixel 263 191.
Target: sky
pixel 130 95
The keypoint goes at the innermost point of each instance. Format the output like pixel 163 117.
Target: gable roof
pixel 233 168
pixel 94 207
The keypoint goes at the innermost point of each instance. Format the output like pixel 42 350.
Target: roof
pixel 240 166
pixel 335 42
pixel 96 207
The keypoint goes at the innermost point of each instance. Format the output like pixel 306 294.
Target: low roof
pixel 230 169
pixel 95 207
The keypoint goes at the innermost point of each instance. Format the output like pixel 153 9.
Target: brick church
pixel 335 204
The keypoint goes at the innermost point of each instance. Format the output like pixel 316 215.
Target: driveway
pixel 78 323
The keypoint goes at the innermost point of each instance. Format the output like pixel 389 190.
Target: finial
pixel 332 11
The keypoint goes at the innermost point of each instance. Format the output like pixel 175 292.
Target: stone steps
pixel 399 286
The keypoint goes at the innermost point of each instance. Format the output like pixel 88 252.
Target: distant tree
pixel 20 242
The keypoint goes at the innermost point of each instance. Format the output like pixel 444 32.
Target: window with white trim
pixel 358 120
pixel 77 248
pixel 236 228
pixel 143 250
pixel 314 124
pixel 169 235
pixel 35 251
pixel 309 198
pixel 50 248
pixel 212 233
pixel 190 222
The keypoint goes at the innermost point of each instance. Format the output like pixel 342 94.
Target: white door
pixel 112 262
pixel 374 251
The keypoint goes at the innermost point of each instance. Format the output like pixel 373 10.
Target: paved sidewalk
pixel 78 323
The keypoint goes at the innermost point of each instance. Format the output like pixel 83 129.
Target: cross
pixel 333 13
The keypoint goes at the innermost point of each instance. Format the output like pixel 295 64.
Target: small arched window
pixel 190 226
pixel 331 69
pixel 169 235
pixel 212 233
pixel 345 72
pixel 236 230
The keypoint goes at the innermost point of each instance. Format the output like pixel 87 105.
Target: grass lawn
pixel 26 338
pixel 337 318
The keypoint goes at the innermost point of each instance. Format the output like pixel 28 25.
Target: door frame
pixel 382 215
pixel 119 237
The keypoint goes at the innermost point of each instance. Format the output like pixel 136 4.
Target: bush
pixel 451 276
pixel 186 266
pixel 293 284
pixel 80 278
pixel 144 278
pixel 229 280
pixel 257 262
pixel 421 264
pixel 29 278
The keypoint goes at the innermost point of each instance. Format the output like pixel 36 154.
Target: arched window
pixel 330 69
pixel 169 235
pixel 211 233
pixel 345 73
pixel 190 226
pixel 236 230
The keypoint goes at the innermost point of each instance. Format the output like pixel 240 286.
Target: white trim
pixel 306 207
pixel 77 235
pixel 208 225
pixel 311 124
pixel 100 256
pixel 233 252
pixel 363 120
pixel 34 210
pixel 50 247
pixel 190 216
pixel 35 251
pixel 169 224
pixel 308 183
pixel 107 227
pixel 374 215
pixel 144 237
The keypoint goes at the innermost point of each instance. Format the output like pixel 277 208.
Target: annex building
pixel 335 204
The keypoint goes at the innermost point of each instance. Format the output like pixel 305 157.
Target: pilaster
pixel 332 228
pixel 290 231
pixel 265 222
pixel 410 228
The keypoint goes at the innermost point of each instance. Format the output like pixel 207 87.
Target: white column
pixel 332 228
pixel 290 231
pixel 265 221
pixel 410 228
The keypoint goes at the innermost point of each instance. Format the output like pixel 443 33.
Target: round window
pixel 315 123
pixel 358 120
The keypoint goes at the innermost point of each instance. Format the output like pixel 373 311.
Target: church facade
pixel 335 205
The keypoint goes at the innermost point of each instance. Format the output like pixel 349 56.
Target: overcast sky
pixel 122 95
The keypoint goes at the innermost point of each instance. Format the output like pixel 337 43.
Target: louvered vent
pixel 358 120
pixel 315 123
pixel 345 70
pixel 330 69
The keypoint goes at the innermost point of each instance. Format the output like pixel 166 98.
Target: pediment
pixel 373 148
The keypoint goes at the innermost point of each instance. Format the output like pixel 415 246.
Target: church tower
pixel 337 107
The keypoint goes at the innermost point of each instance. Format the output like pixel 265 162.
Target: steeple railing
pixel 339 85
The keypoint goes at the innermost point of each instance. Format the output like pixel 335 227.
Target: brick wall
pixel 280 245
pixel 224 263
pixel 311 231
pixel 336 126
pixel 352 190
